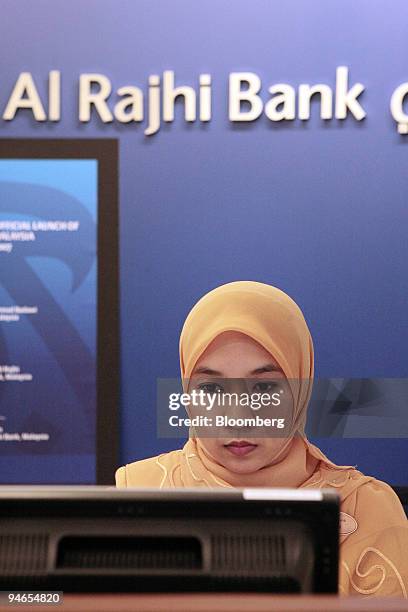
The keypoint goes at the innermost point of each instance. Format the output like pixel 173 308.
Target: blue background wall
pixel 320 210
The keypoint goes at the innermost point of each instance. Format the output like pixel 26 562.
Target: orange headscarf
pixel 275 321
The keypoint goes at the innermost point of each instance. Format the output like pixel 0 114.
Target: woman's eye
pixel 210 387
pixel 264 387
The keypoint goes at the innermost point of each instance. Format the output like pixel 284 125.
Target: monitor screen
pixel 58 311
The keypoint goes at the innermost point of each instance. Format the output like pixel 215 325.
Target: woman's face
pixel 235 362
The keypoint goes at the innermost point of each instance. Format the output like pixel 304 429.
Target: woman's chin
pixel 245 464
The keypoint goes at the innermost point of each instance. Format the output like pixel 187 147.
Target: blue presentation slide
pixel 48 320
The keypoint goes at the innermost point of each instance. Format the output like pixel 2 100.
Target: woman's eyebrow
pixel 207 370
pixel 268 367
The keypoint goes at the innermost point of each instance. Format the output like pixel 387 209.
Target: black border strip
pixel 402 493
pixel 106 152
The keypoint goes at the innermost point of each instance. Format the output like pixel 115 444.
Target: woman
pixel 248 330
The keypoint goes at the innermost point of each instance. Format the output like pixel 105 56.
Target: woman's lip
pixel 240 449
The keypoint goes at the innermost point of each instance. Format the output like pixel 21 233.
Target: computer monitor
pixel 94 539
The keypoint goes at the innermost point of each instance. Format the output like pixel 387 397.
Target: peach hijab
pixel 274 320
